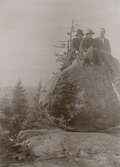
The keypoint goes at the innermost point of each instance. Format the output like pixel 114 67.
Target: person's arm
pixel 108 46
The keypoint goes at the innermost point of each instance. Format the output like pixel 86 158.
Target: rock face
pixel 85 95
pixel 60 148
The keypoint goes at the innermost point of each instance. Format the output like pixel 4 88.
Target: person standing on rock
pixel 74 49
pixel 104 44
pixel 87 47
pixel 77 41
pixel 103 50
pixel 88 40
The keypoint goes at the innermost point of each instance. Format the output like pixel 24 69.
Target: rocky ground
pixel 86 95
pixel 56 148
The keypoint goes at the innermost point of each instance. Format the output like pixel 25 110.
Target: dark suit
pixel 102 52
pixel 87 43
pixel 102 45
pixel 76 44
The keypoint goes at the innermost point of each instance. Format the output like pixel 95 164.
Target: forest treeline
pixel 18 114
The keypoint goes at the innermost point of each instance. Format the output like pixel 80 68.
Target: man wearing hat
pixel 102 42
pixel 88 40
pixel 76 42
pixel 74 49
pixel 87 47
pixel 103 50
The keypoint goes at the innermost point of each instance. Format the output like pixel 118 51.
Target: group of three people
pixel 100 46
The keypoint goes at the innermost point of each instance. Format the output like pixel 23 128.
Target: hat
pixel 90 31
pixel 79 32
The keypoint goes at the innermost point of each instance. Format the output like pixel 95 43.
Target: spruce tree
pixel 19 107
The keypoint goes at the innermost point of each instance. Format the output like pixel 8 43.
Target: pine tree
pixel 6 110
pixel 36 113
pixel 19 107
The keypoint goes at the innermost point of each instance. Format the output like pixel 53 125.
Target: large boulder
pixel 59 148
pixel 85 98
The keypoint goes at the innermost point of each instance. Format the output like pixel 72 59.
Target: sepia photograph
pixel 59 83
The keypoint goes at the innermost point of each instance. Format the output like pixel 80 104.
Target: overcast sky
pixel 29 29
